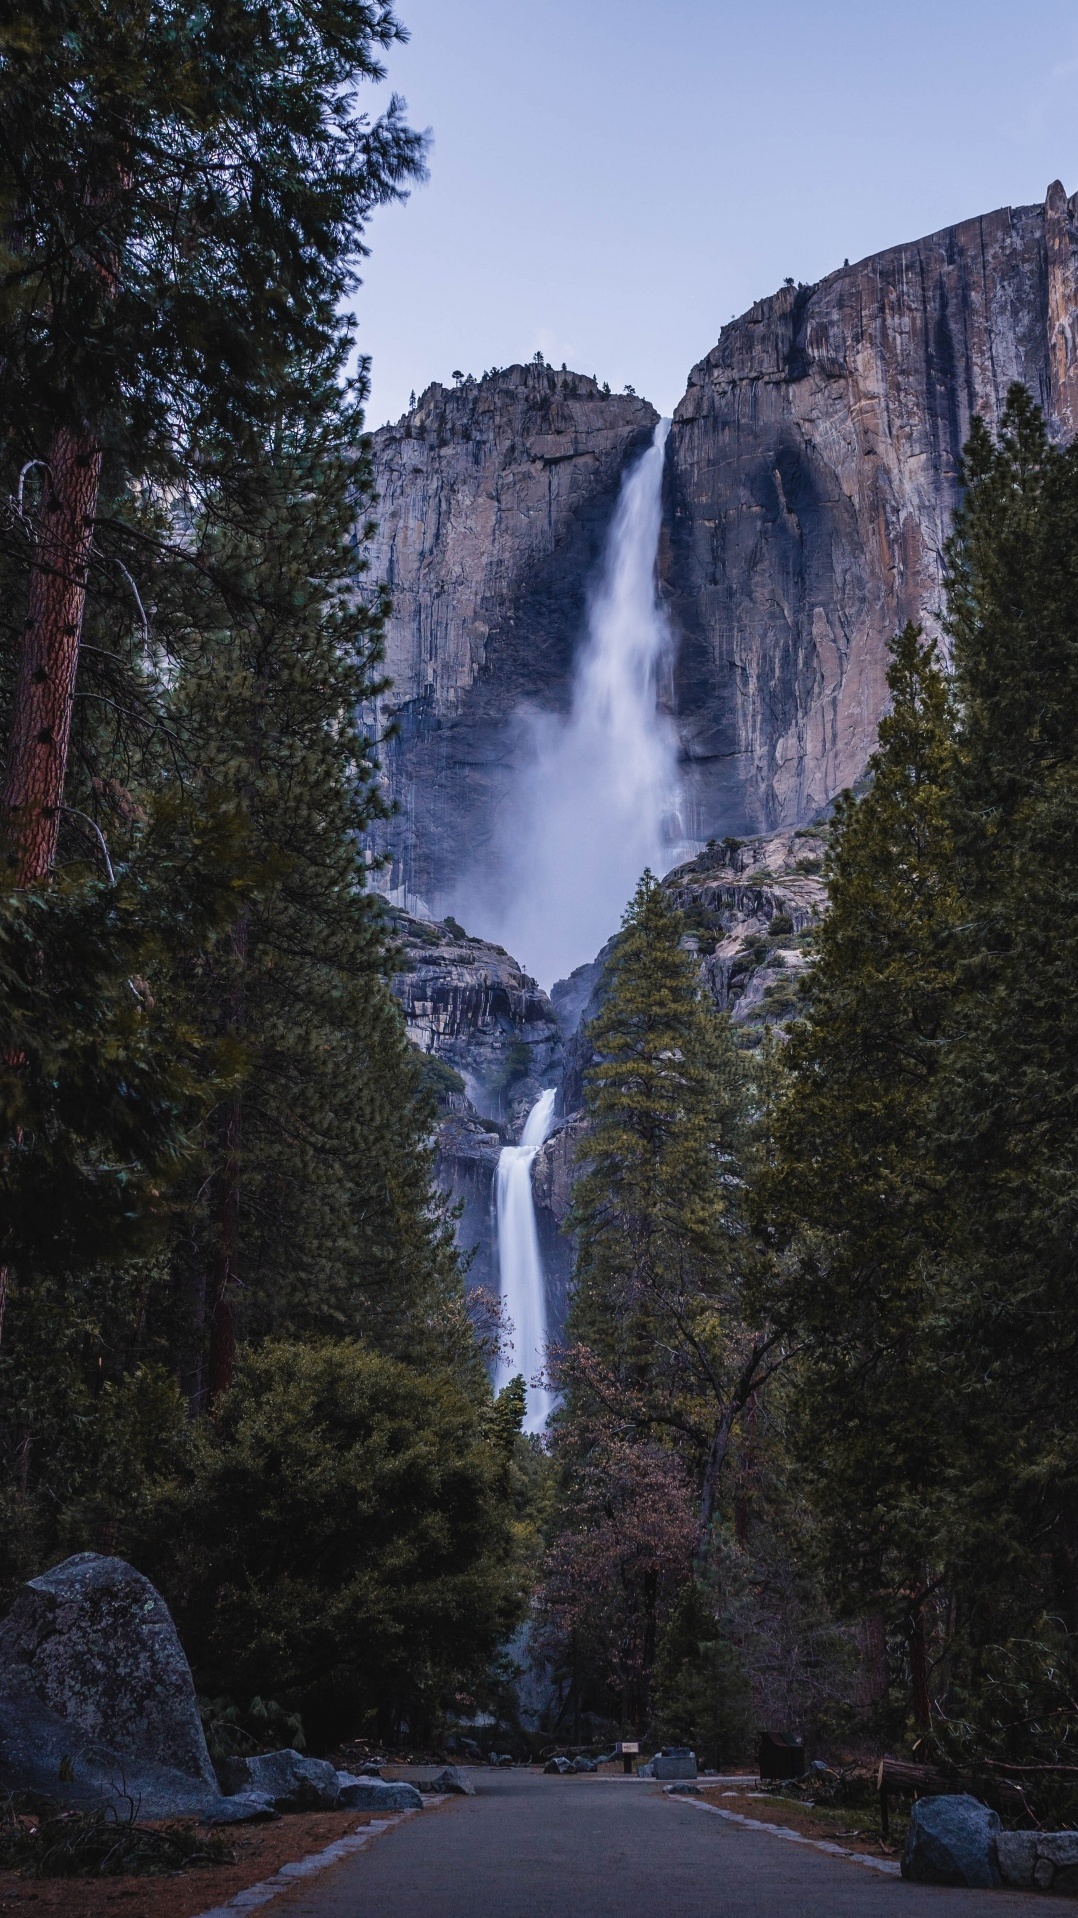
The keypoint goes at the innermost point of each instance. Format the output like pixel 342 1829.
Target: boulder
pixel 243 1808
pixel 558 1765
pixel 290 1781
pixel 375 1794
pixel 952 1840
pixel 1039 1860
pixel 97 1703
pixel 585 1764
pixel 452 1779
pixel 674 1761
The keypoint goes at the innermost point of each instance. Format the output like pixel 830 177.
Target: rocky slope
pixel 751 908
pixel 468 1006
pixel 495 1039
pixel 493 502
pixel 812 476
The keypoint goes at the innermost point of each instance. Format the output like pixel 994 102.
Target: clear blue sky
pixel 611 181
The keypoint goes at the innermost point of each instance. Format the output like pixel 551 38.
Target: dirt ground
pixel 856 1830
pixel 259 1851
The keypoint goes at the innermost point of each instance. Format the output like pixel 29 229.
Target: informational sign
pixel 628 1749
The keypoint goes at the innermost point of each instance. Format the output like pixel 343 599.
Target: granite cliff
pixel 493 502
pixel 812 473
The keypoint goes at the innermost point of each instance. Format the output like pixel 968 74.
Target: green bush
pixel 343 1541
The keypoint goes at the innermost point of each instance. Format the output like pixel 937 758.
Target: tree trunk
pixel 49 656
pixel 716 1459
pixel 226 1279
pixel 922 1701
pixel 226 1275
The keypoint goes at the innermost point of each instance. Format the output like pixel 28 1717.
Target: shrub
pixel 343 1542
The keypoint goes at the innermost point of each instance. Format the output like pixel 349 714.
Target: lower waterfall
pixel 520 1266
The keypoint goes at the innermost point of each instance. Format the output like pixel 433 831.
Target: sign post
pixel 629 1749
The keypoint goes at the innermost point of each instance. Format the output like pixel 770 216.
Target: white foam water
pixel 599 798
pixel 520 1267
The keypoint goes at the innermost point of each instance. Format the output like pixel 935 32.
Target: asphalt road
pixel 528 1846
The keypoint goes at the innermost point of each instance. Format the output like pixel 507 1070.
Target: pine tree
pixel 1007 1118
pixel 656 1321
pixel 181 202
pixel 853 1198
pixel 319 1217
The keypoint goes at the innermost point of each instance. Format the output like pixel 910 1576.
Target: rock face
pixel 493 502
pixel 752 906
pixel 92 1672
pixel 468 1004
pixel 952 1841
pixel 812 475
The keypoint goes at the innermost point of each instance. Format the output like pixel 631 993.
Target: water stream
pixel 520 1266
pixel 598 802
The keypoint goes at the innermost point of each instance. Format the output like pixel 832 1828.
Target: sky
pixel 611 181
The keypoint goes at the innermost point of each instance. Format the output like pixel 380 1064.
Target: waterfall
pixel 597 803
pixel 520 1266
pixel 599 799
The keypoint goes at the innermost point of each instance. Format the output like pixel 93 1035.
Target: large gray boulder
pixel 952 1841
pixel 96 1697
pixel 375 1794
pixel 292 1782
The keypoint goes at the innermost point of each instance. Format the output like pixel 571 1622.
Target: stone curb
pixel 254 1896
pixel 892 1869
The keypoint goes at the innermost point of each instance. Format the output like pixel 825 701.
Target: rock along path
pixel 528 1846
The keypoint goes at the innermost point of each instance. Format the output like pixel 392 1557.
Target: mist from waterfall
pixel 598 799
pixel 520 1266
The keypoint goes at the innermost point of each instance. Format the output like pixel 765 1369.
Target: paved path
pixel 528 1846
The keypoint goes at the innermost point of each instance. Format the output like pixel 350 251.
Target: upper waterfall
pixel 599 799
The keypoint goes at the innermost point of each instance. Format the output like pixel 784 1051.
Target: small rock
pixel 452 1779
pixel 242 1808
pixel 952 1840
pixel 293 1782
pixel 375 1794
